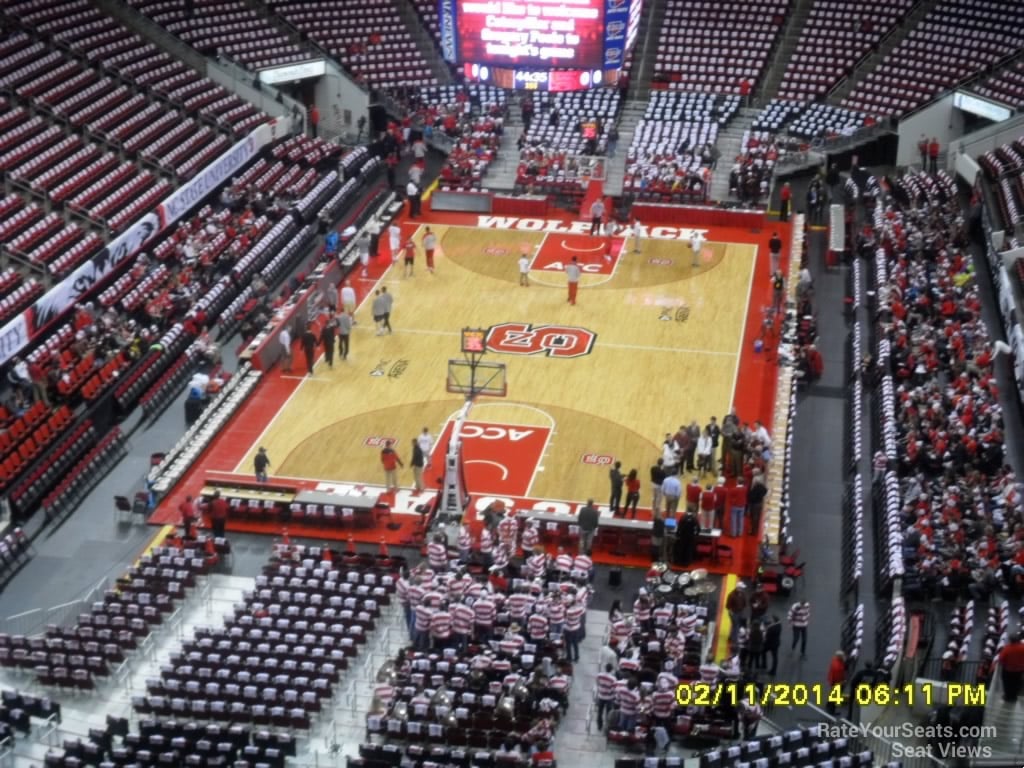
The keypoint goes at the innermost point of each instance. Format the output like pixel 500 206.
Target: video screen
pixel 532 33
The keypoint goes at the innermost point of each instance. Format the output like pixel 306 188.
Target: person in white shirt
pixel 426 444
pixel 285 337
pixel 395 240
pixel 347 295
pixel 412 191
pixel 363 244
pixel 697 246
pixel 638 230
pixel 524 270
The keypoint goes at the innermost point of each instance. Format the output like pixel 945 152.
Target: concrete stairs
pixel 615 167
pixel 1008 720
pixel 645 51
pixel 729 141
pixel 501 174
pixel 424 41
pixel 886 46
pixel 795 21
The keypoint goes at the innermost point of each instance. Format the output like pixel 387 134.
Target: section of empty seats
pixel 573 122
pixel 713 47
pixel 835 37
pixel 1006 85
pixel 671 153
pixel 43 472
pixel 955 39
pixel 1003 167
pixel 825 120
pixel 804 746
pixel 368 37
pixel 229 27
pixel 280 654
pixel 84 475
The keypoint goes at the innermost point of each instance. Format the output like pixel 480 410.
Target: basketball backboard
pixel 477 378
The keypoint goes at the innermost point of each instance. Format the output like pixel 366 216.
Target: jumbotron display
pixel 540 35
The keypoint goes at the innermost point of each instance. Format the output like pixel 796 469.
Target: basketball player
pixel 389 302
pixel 348 297
pixel 524 270
pixel 410 257
pixel 697 245
pixel 429 244
pixel 364 252
pixel 638 230
pixel 572 274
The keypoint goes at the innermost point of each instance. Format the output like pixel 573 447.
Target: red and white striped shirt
pixel 463 618
pixel 621 632
pixel 508 528
pixel 538 626
pixel 437 555
pixel 642 610
pixel 663 615
pixel 486 541
pixel 559 683
pixel 556 612
pixel 415 594
pixel 563 563
pixel 441 624
pixel 606 683
pixel 531 536
pixel 628 699
pixel 663 703
pixel 537 565
pixel 402 590
pixel 582 566
pixel 501 556
pixel 687 624
pixel 484 611
pixel 519 604
pixel 465 539
pixel 800 614
pixel 709 672
pixel 574 616
pixel 675 646
pixel 424 613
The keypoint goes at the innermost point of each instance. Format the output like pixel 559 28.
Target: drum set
pixel 668 586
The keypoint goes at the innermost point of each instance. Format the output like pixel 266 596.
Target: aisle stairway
pixel 894 38
pixel 615 168
pixel 424 41
pixel 501 174
pixel 729 141
pixel 1008 720
pixel 790 37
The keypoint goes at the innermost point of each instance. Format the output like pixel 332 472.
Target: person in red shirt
pixel 390 461
pixel 188 516
pixel 1011 666
pixel 836 676
pixel 933 155
pixel 785 198
pixel 218 514
pixel 314 119
pixel 632 493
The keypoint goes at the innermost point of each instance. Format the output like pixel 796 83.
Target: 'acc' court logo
pixel 551 340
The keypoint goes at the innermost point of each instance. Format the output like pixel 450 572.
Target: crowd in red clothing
pixel 962 506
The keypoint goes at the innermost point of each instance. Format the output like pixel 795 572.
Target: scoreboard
pixel 552 45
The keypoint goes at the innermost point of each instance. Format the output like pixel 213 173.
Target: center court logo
pixel 551 340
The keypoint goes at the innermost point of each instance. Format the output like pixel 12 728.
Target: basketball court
pixel 653 342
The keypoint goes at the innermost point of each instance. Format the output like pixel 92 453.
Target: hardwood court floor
pixel 642 376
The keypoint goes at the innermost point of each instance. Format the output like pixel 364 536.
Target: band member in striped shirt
pixel 663 615
pixel 486 546
pixel 484 611
pixel 508 531
pixel 537 626
pixel 463 620
pixel 627 697
pixel 437 553
pixel 563 563
pixel 800 619
pixel 574 614
pixel 709 672
pixel 606 683
pixel 465 543
pixel 500 558
pixel 531 535
pixel 424 614
pixel 537 563
pixel 663 705
pixel 441 627
pixel 520 603
pixel 402 592
pixel 556 614
pixel 642 611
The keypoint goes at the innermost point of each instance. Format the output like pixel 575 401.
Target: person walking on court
pixel 395 240
pixel 285 339
pixel 260 463
pixel 309 347
pixel 596 216
pixel 775 249
pixel 410 257
pixel 616 478
pixel 388 301
pixel 379 304
pixel 348 298
pixel 697 246
pixel 363 245
pixel 800 619
pixel 524 269
pixel 426 443
pixel 638 231
pixel 390 461
pixel 412 191
pixel 785 199
pixel 345 324
pixel 429 244
pixel 417 462
pixel 572 274
pixel 327 335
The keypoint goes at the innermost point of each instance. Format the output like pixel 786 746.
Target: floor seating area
pixel 369 38
pixel 956 39
pixel 228 27
pixel 711 47
pixel 670 156
pixel 279 656
pixel 835 37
